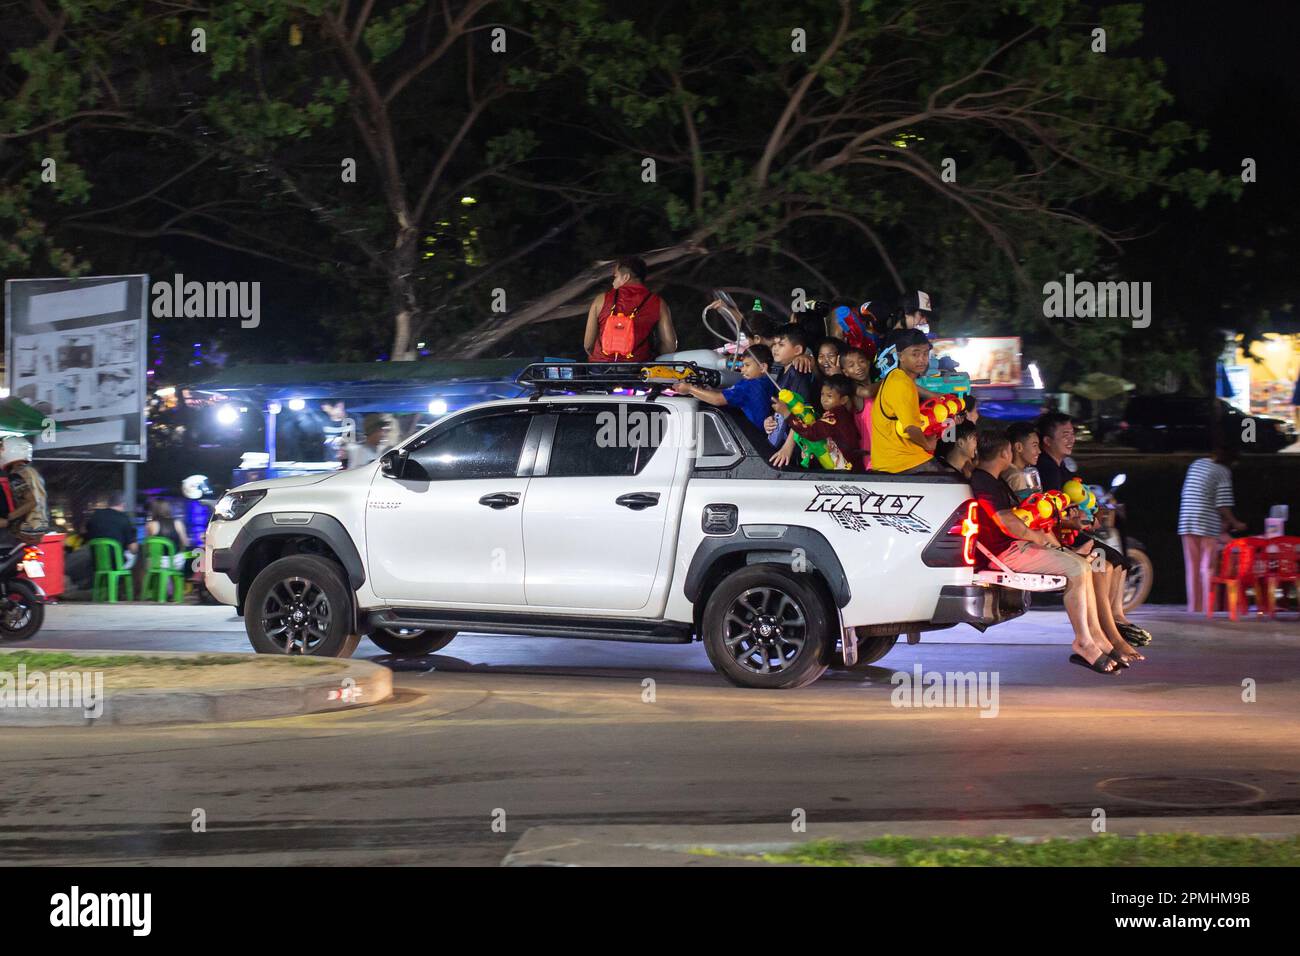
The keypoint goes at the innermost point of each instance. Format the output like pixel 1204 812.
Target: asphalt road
pixel 530 731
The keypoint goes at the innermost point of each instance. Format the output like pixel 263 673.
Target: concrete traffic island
pixel 84 688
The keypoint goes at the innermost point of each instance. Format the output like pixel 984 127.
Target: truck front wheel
pixel 767 627
pixel 300 605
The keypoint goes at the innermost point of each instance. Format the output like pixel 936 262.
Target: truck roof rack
pixel 606 377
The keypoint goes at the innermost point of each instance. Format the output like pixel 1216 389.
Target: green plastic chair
pixel 110 568
pixel 159 574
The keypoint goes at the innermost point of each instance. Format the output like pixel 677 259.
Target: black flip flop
pixel 1099 665
pixel 1137 636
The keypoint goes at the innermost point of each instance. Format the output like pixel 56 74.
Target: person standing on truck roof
pixel 899 444
pixel 1022 548
pixel 621 321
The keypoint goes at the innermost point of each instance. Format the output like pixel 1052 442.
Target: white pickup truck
pixel 605 514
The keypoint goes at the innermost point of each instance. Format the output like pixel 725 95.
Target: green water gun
pixel 808 449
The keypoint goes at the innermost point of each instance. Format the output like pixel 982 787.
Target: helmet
pixel 14 449
pixel 195 487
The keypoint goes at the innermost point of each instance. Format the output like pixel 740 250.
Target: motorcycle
pixel 22 602
pixel 1109 529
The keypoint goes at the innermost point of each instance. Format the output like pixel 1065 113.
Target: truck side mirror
pixel 393 462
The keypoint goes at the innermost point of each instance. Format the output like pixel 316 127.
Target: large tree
pixel 975 148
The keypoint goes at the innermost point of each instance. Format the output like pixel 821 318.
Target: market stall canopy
pixel 19 418
pixel 374 386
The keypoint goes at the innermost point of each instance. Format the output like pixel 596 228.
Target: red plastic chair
pixel 1276 566
pixel 1236 575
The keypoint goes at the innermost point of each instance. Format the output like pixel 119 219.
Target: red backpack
pixel 618 336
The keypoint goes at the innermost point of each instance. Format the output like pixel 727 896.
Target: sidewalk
pixel 671 845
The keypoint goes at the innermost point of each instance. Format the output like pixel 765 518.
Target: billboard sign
pixel 75 351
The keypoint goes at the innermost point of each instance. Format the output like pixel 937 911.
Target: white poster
pixel 75 352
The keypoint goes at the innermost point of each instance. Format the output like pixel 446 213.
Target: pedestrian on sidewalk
pixel 1205 517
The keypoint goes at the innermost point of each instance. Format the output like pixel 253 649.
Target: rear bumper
pixel 980 606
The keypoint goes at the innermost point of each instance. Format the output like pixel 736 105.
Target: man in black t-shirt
pixel 1017 546
pixel 1056 442
pixel 1055 468
pixel 113 522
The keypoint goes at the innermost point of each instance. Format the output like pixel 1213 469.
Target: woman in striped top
pixel 1205 510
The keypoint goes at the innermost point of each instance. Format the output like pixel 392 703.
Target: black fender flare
pixel 323 527
pixel 773 548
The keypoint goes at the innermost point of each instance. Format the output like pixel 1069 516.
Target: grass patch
pixel 52 660
pixel 1159 849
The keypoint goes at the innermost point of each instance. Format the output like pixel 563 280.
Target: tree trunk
pixel 401 289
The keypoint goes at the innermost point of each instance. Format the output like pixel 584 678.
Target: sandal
pixel 1099 665
pixel 1137 636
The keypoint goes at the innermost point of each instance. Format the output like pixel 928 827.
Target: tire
pixel 1137 586
pixel 796 651
pixel 870 650
pixel 23 611
pixel 312 587
pixel 410 642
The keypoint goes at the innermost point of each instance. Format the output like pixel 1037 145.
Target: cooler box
pixel 52 583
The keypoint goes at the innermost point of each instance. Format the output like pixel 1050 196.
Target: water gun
pixel 808 449
pixel 1045 509
pixel 943 378
pixel 1081 497
pixel 854 334
pixel 935 413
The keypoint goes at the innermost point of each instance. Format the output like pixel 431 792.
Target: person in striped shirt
pixel 1205 511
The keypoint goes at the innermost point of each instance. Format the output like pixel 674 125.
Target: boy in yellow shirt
pixel 899 444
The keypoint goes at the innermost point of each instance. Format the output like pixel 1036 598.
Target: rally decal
pixel 851 508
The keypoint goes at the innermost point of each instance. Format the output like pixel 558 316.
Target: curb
pixel 366 684
pixel 662 845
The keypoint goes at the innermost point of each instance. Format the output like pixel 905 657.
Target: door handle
pixel 638 500
pixel 501 499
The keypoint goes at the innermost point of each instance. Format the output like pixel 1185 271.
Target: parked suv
pixel 623 517
pixel 1157 423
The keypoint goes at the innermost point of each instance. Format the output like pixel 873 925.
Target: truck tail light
pixel 954 545
pixel 970 529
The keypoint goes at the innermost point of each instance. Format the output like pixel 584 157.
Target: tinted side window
pixel 613 440
pixel 479 448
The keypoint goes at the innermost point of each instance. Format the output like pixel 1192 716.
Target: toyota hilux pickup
pixel 600 507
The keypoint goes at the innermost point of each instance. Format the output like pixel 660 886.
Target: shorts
pixel 1030 558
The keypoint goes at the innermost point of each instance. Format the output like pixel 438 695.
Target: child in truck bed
pixel 752 394
pixel 837 426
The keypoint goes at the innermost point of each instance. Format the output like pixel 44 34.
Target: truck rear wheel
pixel 870 650
pixel 300 605
pixel 766 627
